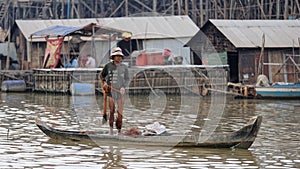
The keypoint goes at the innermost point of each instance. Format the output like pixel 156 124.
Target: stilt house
pixel 170 32
pixel 250 48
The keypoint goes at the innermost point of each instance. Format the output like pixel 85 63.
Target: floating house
pixel 151 33
pixel 250 48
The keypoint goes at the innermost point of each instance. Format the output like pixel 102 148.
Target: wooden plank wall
pixel 142 81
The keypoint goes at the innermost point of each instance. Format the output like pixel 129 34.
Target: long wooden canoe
pixel 242 138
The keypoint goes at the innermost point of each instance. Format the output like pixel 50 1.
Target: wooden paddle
pixel 104 96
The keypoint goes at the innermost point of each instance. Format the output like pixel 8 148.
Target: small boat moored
pixel 242 138
pixel 279 90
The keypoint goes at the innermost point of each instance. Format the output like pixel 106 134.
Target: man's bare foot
pixel 111 131
pixel 119 132
pixel 104 119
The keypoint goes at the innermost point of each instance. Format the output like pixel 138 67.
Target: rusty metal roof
pixel 249 33
pixel 141 27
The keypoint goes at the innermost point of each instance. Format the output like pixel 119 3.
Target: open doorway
pixel 233 62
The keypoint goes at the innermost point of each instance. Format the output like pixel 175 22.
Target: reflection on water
pixel 23 145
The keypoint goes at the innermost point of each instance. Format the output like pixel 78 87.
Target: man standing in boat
pixel 114 78
pixel 128 45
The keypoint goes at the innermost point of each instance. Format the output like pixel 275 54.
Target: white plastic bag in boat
pixel 156 127
pixel 262 81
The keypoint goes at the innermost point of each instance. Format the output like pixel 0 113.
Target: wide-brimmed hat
pixel 116 52
pixel 126 35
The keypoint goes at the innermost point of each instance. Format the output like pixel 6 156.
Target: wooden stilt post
pixel 126 8
pixel 154 5
pixel 285 12
pixel 201 13
pixel 186 7
pixel 8 51
pixel 179 6
pixel 278 9
pixel 172 11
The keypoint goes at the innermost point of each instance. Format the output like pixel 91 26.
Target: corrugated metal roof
pixel 248 33
pixel 141 27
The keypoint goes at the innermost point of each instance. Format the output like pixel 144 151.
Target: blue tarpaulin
pixel 87 30
pixel 56 31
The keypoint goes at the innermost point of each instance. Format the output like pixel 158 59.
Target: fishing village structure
pixel 198 10
pixel 205 14
pixel 149 32
pixel 171 32
pixel 253 47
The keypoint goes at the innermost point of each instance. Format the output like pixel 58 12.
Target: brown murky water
pixel 23 145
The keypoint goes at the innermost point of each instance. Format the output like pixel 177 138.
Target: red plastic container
pixel 155 58
pixel 141 60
